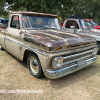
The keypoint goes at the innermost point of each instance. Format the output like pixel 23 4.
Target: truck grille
pixel 69 58
pixel 73 59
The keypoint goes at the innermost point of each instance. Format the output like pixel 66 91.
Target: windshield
pixel 93 23
pixel 31 21
pixel 86 25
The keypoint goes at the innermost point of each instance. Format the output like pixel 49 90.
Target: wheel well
pixel 98 41
pixel 26 53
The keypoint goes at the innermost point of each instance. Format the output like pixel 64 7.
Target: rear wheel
pixel 34 66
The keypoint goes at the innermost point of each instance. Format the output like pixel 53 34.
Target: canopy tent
pixel 76 17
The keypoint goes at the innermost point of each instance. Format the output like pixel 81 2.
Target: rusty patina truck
pixel 49 50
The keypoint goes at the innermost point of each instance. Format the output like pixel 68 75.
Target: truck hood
pixel 93 32
pixel 56 38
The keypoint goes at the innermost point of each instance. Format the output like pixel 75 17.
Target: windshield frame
pixel 93 23
pixel 85 24
pixel 47 18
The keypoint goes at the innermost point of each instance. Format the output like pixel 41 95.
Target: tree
pixel 2 9
pixel 63 8
pixel 87 9
pixel 58 7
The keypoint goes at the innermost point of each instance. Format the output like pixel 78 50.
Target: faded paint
pixel 43 42
pixel 56 39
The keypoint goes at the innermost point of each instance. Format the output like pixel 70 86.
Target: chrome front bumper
pixel 67 70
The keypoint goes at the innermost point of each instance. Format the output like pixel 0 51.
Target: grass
pixel 81 85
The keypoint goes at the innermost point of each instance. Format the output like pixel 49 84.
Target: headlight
pixel 57 62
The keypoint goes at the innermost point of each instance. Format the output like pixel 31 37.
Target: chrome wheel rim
pixel 34 65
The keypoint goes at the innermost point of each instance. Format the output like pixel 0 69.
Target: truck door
pixel 12 35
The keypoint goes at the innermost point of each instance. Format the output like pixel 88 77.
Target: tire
pixel 98 43
pixel 1 48
pixel 34 66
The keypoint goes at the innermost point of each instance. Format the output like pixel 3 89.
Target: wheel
pixel 1 48
pixel 34 66
pixel 98 43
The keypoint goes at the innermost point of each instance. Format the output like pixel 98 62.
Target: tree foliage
pixel 87 8
pixel 63 8
pixel 2 9
pixel 58 7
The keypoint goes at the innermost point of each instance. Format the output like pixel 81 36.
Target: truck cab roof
pixel 33 13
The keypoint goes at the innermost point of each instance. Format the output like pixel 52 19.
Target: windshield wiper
pixel 49 28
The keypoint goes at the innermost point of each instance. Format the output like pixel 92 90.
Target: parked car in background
pixel 61 24
pixel 82 26
pixel 95 25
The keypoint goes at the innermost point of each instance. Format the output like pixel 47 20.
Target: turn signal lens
pixel 58 48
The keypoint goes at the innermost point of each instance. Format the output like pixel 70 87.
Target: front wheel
pixel 1 48
pixel 34 66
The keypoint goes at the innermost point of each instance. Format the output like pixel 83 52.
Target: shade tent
pixel 76 17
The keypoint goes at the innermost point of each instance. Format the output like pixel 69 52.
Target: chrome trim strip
pixel 11 40
pixel 1 37
pixel 65 71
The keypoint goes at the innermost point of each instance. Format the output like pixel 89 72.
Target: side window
pixel 15 22
pixel 68 24
pixel 71 23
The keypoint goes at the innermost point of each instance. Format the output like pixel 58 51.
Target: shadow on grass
pixel 23 63
pixel 80 75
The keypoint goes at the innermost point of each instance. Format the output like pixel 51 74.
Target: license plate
pixel 81 63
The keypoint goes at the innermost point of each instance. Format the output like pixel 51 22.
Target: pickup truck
pixel 95 25
pixel 82 26
pixel 49 50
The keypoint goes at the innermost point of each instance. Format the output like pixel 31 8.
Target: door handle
pixel 9 40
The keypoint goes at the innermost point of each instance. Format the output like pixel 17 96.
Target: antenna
pixel 25 16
